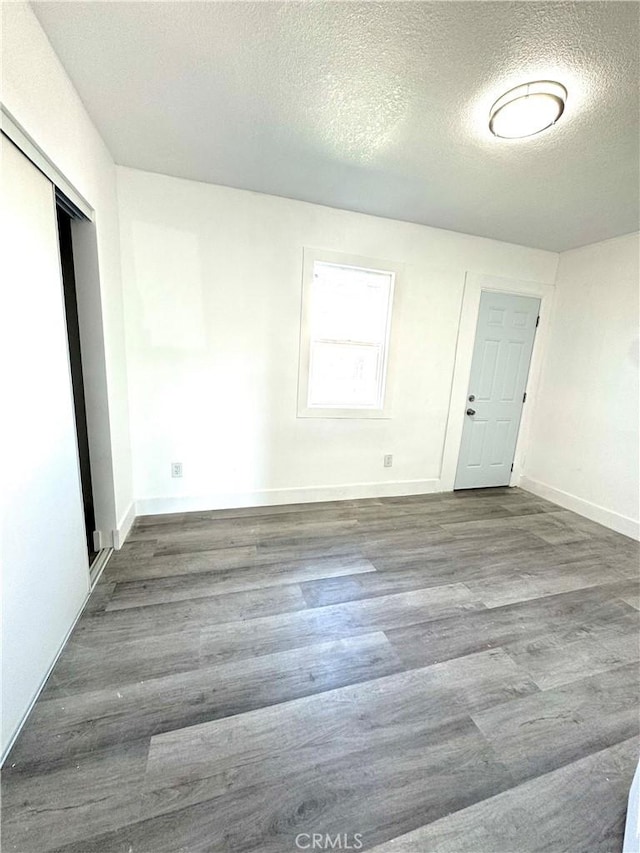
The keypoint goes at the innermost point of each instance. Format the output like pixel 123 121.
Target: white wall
pixel 583 451
pixel 38 93
pixel 45 571
pixel 212 280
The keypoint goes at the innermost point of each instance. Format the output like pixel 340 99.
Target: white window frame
pixel 311 257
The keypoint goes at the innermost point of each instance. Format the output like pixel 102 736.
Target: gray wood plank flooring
pixel 451 673
pixel 526 818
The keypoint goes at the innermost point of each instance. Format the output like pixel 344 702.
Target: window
pixel 346 336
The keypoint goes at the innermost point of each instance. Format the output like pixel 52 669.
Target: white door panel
pixel 499 369
pixel 45 572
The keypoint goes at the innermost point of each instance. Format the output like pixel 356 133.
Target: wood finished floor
pixel 452 672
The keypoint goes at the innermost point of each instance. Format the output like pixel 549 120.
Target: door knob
pixel 471 411
pixel 472 397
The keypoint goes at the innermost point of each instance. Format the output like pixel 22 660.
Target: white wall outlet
pixel 176 469
pixel 388 460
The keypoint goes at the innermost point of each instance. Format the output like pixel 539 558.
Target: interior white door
pixel 499 370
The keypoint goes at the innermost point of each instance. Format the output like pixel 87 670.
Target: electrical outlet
pixel 176 469
pixel 388 461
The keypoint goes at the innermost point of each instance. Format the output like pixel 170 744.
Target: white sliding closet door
pixel 44 560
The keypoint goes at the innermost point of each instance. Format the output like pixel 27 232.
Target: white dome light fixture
pixel 527 109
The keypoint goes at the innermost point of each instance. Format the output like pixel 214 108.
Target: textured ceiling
pixel 375 107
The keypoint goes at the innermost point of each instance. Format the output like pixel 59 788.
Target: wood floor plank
pixel 252 519
pixel 523 575
pixel 356 540
pixel 312 549
pixel 550 662
pixel 240 579
pixel 319 508
pixel 237 640
pixel 230 537
pixel 100 597
pixel 89 664
pixel 337 590
pixel 632 597
pixel 155 620
pixel 544 731
pixel 553 528
pixel 556 811
pixel 131 552
pixel 551 579
pixel 151 566
pixel 188 766
pixel 81 723
pixel 364 792
pixel 523 504
pixel 595 531
pixel 567 616
pixel 55 804
pixel 156 640
pixel 475 549
pixel 433 514
pixel 447 510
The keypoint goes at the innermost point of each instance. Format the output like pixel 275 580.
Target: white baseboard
pixel 273 497
pixel 124 526
pixel 614 520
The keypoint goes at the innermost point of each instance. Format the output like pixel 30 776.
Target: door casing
pixel 474 285
pixel 490 430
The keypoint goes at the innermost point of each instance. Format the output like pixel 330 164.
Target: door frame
pixel 90 295
pixel 470 305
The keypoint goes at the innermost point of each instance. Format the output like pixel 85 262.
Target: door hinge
pixel 512 466
pixel 524 397
pixel 537 321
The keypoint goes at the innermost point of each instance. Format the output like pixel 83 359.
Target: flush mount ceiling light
pixel 527 109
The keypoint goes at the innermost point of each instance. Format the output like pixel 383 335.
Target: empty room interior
pixel 320 345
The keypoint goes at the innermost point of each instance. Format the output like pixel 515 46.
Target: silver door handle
pixel 471 411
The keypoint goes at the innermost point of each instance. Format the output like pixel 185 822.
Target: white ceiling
pixel 375 107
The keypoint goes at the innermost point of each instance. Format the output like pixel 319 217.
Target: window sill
pixel 345 414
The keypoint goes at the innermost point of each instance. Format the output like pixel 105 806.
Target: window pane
pixel 345 375
pixel 349 304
